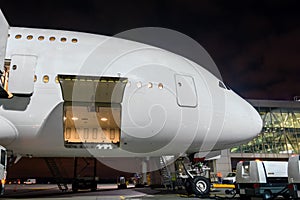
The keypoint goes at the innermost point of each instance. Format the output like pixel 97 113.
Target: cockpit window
pixel 222 85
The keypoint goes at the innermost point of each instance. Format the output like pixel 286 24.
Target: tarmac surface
pixel 105 192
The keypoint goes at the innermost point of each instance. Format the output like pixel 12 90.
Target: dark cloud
pixel 255 44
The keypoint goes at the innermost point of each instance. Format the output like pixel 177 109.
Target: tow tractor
pixel 196 178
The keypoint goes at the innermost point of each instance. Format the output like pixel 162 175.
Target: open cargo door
pixel 92 89
pixel 92 111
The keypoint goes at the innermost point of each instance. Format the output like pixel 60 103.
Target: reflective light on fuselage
pixel 74 118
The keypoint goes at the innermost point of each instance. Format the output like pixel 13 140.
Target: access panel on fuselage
pixel 21 74
pixel 185 91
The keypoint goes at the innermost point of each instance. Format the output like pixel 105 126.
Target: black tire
pixel 267 195
pixel 201 186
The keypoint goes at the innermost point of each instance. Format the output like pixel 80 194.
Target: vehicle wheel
pixel 201 186
pixel 267 194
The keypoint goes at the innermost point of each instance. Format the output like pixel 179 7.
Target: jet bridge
pixel 92 111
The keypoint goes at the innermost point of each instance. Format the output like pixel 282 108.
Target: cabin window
pixel 221 85
pixel 29 37
pixel 160 86
pixel 52 39
pixel 63 39
pixel 46 79
pixel 74 40
pixel 150 85
pixel 18 36
pixel 41 38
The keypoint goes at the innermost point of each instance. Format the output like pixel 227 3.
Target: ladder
pixel 166 174
pixel 56 174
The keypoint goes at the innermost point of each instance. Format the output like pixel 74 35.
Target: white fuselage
pixel 158 115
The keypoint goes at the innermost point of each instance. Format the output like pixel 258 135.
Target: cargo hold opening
pixel 92 111
pixel 91 124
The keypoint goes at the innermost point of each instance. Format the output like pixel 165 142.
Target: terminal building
pixel 279 138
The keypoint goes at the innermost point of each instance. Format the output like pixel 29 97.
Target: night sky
pixel 255 44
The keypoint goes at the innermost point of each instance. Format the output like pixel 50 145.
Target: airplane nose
pixel 242 121
pixel 250 120
pixel 256 119
pixel 8 132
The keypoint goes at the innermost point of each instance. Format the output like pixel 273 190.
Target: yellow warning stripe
pixel 216 185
